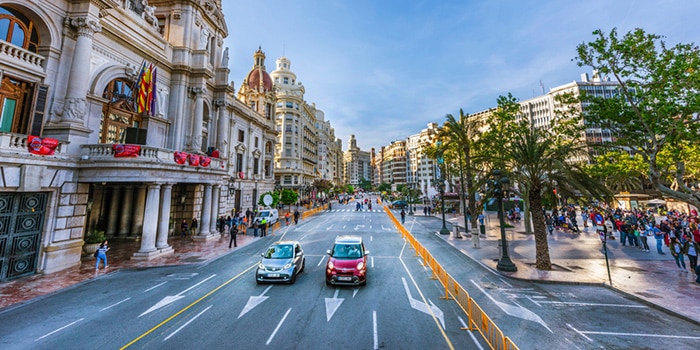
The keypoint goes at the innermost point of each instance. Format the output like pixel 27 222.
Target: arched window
pixel 17 29
pixel 118 114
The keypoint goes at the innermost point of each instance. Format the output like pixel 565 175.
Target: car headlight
pixel 330 265
pixel 287 266
pixel 361 265
pixel 261 266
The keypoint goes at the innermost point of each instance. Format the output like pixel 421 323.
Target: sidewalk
pixel 578 258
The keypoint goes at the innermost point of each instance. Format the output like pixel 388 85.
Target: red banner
pixel 193 159
pixel 122 150
pixel 180 157
pixel 241 175
pixel 205 161
pixel 41 146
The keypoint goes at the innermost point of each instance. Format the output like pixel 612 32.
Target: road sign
pixel 598 219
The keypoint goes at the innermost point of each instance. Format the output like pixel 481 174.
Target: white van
pixel 271 215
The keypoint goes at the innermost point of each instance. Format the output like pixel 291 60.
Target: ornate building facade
pixel 78 151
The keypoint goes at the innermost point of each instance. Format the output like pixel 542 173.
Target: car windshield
pixel 347 251
pixel 264 214
pixel 279 252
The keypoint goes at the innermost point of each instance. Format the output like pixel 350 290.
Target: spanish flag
pixel 146 87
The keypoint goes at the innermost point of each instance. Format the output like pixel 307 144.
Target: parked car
pixel 347 262
pixel 399 204
pixel 282 261
pixel 272 216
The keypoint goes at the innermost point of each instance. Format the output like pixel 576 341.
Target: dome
pixel 258 77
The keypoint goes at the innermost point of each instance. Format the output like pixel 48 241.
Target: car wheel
pixel 303 265
pixel 294 277
pixel 364 283
pixel 328 283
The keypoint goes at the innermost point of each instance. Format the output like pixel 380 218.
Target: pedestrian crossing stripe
pixel 353 210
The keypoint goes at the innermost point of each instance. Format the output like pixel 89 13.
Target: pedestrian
pixel 549 221
pixel 234 232
pixel 194 226
pixel 692 248
pixel 643 236
pixel 263 227
pixel 425 211
pixel 403 216
pixel 286 218
pixel 296 217
pixel 184 228
pixel 255 228
pixel 101 255
pixel 659 236
pixel 677 252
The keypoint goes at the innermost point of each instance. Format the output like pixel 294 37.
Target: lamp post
pixel 497 183
pixel 410 196
pixel 441 185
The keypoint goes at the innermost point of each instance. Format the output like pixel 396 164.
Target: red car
pixel 347 263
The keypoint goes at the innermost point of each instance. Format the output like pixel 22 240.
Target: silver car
pixel 281 262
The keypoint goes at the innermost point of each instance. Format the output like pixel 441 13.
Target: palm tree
pixel 536 158
pixel 462 133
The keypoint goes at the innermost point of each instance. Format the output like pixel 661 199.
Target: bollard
pixel 475 240
pixel 456 232
pixel 482 229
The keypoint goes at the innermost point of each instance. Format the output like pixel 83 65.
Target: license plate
pixel 273 275
pixel 343 278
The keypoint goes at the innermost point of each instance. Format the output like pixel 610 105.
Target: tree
pixel 461 133
pixel 656 109
pixel 349 189
pixel 620 171
pixel 384 187
pixel 275 199
pixel 289 196
pixel 536 158
pixel 323 185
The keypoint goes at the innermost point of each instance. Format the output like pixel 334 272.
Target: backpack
pixel 96 252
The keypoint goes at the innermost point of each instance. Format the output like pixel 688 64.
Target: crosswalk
pixel 354 210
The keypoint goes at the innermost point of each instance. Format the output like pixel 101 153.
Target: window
pixel 256 162
pixel 289 104
pixel 241 136
pixel 239 162
pixel 268 168
pixel 17 29
pixel 286 80
pixel 256 141
pixel 117 114
pixel 252 105
pixel 268 111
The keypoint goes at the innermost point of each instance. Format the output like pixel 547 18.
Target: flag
pixel 146 86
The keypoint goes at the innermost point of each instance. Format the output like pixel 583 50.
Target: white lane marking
pixel 58 330
pixel 533 301
pixel 172 298
pixel 374 329
pixel 254 301
pixel 278 326
pixel 320 261
pixel 115 304
pixel 505 282
pixel 332 305
pixel 514 310
pixel 371 237
pixel 568 303
pixel 423 307
pixel 372 259
pixel 642 335
pixel 188 322
pixel 154 287
pixel 471 334
pixel 579 332
pixel 354 292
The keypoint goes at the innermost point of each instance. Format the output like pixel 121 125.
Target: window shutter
pixel 37 123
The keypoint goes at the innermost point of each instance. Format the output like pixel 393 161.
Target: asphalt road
pixel 218 305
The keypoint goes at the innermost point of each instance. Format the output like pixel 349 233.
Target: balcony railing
pixel 10 142
pixel 16 54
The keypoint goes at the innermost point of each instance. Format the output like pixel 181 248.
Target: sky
pixel 383 69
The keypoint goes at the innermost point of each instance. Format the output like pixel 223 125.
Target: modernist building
pixel 421 170
pixel 79 151
pixel 393 164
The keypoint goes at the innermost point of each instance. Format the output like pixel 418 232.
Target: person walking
pixel 659 236
pixel 296 217
pixel 677 252
pixel 234 233
pixel 425 211
pixel 287 217
pixel 549 221
pixel 692 248
pixel 403 216
pixel 102 255
pixel 184 228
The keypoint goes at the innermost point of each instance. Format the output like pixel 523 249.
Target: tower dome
pixel 257 78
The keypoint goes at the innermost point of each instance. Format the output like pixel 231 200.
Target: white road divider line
pixel 374 329
pixel 321 261
pixel 471 334
pixel 278 326
pixel 569 303
pixel 115 304
pixel 154 287
pixel 58 330
pixel 188 322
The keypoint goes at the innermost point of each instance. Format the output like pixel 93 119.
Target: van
pixel 271 215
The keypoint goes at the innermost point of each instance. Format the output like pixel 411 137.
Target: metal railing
pixel 477 319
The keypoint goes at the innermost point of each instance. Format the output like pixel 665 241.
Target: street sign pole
pixel 600 222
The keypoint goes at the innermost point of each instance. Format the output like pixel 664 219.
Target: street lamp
pixel 497 183
pixel 441 185
pixel 410 196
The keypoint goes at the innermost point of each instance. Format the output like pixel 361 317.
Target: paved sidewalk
pixel 578 258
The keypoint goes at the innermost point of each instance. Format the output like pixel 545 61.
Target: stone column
pixel 196 143
pixel 204 228
pixel 164 222
pixel 214 208
pixel 222 129
pixel 148 239
pixel 137 217
pixel 75 104
pixel 113 214
pixel 127 205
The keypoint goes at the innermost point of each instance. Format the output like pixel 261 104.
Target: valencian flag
pixel 146 89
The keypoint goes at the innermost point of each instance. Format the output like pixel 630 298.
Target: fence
pixel 477 318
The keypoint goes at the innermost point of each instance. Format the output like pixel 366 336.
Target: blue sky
pixel 383 69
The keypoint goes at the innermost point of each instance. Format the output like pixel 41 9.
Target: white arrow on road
pixel 254 301
pixel 515 310
pixel 173 298
pixel 423 307
pixel 357 227
pixel 332 305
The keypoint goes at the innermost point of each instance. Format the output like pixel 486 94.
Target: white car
pixel 272 216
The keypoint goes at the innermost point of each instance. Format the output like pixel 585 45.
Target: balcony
pixel 21 57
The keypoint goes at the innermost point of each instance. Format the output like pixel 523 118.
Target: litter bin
pixel 482 229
